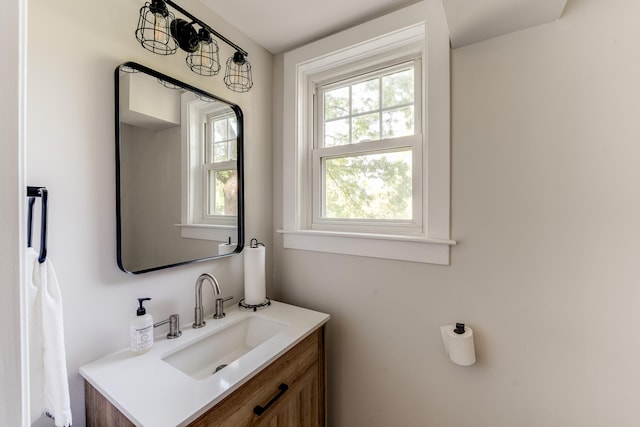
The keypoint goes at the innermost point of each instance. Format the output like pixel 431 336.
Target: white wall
pixel 546 210
pixel 12 182
pixel 151 200
pixel 74 47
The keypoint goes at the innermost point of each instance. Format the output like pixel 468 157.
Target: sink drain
pixel 218 368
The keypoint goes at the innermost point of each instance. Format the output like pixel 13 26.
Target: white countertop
pixel 152 393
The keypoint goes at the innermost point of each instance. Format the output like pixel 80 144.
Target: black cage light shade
pixel 153 31
pixel 238 73
pixel 204 60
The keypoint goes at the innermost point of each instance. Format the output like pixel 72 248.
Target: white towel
pixel 48 365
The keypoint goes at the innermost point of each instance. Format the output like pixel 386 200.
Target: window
pixel 210 141
pixel 220 167
pixel 368 131
pixel 366 140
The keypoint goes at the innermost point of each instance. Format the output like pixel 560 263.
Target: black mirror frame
pixel 240 170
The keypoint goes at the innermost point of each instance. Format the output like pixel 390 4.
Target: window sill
pixel 220 233
pixel 402 248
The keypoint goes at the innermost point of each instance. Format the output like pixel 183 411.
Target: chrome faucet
pixel 198 320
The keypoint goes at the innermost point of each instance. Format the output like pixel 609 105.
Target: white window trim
pixel 220 233
pixel 423 21
pixel 204 217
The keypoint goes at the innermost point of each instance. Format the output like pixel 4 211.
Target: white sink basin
pixel 211 353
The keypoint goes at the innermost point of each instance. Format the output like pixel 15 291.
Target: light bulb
pixel 160 28
pixel 204 56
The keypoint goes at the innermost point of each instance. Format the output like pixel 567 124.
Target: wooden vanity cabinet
pixel 291 391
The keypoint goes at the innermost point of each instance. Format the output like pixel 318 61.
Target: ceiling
pixel 281 25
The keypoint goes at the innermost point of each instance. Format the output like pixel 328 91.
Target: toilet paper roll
pixel 226 248
pixel 459 347
pixel 255 291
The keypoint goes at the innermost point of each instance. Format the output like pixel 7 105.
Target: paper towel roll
pixel 255 291
pixel 459 347
pixel 226 248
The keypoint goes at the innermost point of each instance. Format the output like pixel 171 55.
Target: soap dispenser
pixel 141 329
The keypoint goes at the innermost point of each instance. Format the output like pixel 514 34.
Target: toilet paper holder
pixel 458 343
pixel 459 328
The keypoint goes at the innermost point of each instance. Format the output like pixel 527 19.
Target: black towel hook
pixel 32 193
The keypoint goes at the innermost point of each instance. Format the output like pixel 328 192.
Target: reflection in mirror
pixel 179 174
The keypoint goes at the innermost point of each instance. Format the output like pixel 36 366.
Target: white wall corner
pixel 472 22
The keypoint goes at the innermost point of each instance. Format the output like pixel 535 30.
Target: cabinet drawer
pixel 301 369
pixel 299 407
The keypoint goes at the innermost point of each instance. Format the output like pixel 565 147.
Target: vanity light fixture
pixel 153 32
pixel 204 98
pixel 160 32
pixel 169 85
pixel 204 60
pixel 238 74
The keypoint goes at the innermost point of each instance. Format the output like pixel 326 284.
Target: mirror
pixel 179 172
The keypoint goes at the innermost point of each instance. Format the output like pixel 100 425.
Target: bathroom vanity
pixel 248 369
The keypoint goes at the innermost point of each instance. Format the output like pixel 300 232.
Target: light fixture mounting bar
pixel 207 27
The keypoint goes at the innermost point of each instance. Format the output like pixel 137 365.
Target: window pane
pixel 222 192
pixel 220 130
pixel 397 88
pixel 336 103
pixel 398 122
pixel 233 150
pixel 223 144
pixel 336 132
pixel 366 128
pixel 366 96
pixel 220 153
pixel 233 128
pixel 372 186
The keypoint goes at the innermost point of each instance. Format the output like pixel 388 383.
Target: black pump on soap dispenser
pixel 141 311
pixel 141 329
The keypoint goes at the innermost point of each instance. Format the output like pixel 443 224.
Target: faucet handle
pixel 219 314
pixel 174 326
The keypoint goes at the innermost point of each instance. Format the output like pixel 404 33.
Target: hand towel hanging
pixel 49 382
